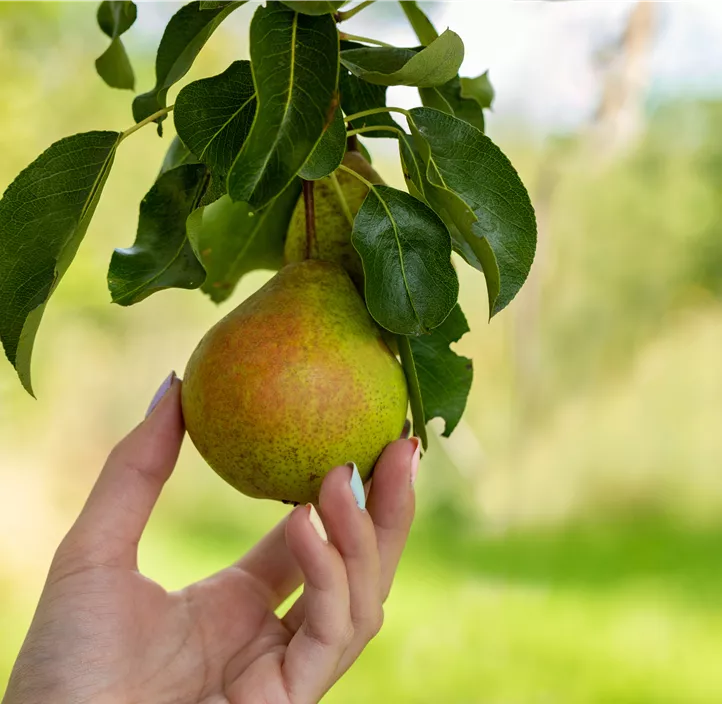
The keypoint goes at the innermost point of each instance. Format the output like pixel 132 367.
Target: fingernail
pixel 406 431
pixel 162 390
pixel 315 520
pixel 357 486
pixel 415 458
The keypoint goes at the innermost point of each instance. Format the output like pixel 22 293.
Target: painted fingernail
pixel 315 520
pixel 406 431
pixel 415 459
pixel 162 390
pixel 357 486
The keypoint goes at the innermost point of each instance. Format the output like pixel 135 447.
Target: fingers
pixel 368 544
pixel 317 646
pixel 271 563
pixel 391 504
pixel 119 506
pixel 352 532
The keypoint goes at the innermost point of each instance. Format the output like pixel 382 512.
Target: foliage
pixel 246 139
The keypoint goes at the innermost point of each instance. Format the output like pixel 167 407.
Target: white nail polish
pixel 315 520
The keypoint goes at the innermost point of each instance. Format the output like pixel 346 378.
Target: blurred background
pixel 568 546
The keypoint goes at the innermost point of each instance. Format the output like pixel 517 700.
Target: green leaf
pixel 213 116
pixel 390 66
pixel 43 218
pixel 329 152
pixel 314 7
pixel 473 186
pixel 421 24
pixel 295 70
pixel 184 36
pixel 412 382
pixel 478 89
pixel 450 208
pixel 177 155
pixel 161 256
pixel 449 99
pixel 410 284
pixel 113 65
pixel 358 95
pixel 232 239
pixel 213 4
pixel 444 377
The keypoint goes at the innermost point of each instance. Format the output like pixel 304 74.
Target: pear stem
pixel 310 207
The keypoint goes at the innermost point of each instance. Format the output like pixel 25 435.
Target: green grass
pixel 617 613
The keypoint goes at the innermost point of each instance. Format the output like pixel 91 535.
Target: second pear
pixel 333 229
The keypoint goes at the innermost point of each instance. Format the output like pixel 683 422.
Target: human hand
pixel 104 633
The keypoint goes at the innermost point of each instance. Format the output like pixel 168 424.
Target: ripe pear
pixel 333 229
pixel 293 382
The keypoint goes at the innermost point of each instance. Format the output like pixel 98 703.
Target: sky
pixel 540 54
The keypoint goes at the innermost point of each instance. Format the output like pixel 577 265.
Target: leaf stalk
pixel 341 199
pixel 348 14
pixel 364 40
pixel 146 121
pixel 376 111
pixel 372 128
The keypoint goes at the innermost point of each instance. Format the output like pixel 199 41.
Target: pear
pixel 294 381
pixel 333 230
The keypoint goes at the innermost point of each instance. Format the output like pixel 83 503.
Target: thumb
pixel 112 521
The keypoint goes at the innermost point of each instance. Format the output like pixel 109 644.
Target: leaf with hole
pixel 472 185
pixel 113 65
pixel 295 70
pixel 410 284
pixel 184 36
pixel 444 377
pixel 389 66
pixel 213 116
pixel 329 152
pixel 232 239
pixel 44 215
pixel 162 255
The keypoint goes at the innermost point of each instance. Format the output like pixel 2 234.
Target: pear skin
pixel 293 382
pixel 333 230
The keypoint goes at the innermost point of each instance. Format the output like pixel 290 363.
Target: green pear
pixel 293 382
pixel 333 229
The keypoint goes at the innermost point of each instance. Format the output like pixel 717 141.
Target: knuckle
pixel 377 621
pixel 373 624
pixel 69 558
